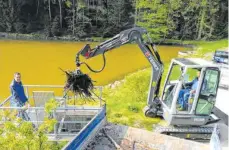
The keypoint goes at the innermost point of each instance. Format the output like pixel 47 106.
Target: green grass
pixel 205 47
pixel 209 46
pixel 125 103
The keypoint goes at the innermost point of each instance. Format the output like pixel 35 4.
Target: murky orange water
pixel 39 62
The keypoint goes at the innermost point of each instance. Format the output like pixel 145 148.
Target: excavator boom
pixel 132 35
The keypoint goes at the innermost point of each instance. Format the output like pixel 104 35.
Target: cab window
pixel 171 85
pixel 207 96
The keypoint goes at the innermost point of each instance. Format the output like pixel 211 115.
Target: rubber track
pixel 193 130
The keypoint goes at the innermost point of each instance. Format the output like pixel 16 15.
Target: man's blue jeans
pixel 14 103
pixel 21 113
pixel 183 98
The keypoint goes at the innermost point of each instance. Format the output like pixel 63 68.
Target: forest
pixel 164 19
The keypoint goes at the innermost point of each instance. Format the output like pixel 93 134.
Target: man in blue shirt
pixel 185 93
pixel 18 98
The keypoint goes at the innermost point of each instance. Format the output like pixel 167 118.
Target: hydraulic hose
pixel 96 71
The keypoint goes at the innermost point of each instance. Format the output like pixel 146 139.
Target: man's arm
pixel 27 101
pixel 190 83
pixel 194 86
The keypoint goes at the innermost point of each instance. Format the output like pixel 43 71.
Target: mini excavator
pixel 197 121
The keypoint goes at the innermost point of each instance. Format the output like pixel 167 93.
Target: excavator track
pixel 200 134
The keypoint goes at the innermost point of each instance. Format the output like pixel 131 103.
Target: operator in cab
pixel 184 94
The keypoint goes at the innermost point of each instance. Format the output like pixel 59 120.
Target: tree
pixel 22 135
pixel 60 6
pixel 207 18
pixel 221 25
pixel 172 19
pixel 79 20
pixel 119 17
pixel 184 16
pixel 154 16
pixel 9 13
pixel 55 26
pixel 50 14
pixel 38 6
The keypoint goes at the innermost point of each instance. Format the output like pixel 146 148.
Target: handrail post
pixel 36 117
pixel 5 101
pixel 65 98
pixel 100 98
pixel 55 126
pixel 27 91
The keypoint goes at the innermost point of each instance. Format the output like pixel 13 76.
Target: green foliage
pixel 47 30
pixel 57 145
pixel 55 27
pixel 118 16
pixel 173 19
pixel 17 134
pixel 177 19
pixel 68 3
pixel 154 16
pixel 51 105
pixel 20 27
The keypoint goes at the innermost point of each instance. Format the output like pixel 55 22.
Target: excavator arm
pixel 133 35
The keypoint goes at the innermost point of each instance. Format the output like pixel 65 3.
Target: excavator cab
pixel 179 84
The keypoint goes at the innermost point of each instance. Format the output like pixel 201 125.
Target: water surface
pixel 39 62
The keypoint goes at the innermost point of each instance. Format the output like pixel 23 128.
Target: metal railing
pixel 70 118
pixel 27 92
pixel 37 116
pixel 5 101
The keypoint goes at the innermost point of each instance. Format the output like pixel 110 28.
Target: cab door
pixel 208 92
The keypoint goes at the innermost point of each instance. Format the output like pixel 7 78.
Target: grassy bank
pixel 70 38
pixel 206 47
pixel 41 37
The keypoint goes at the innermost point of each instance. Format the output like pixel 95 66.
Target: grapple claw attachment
pixel 79 83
